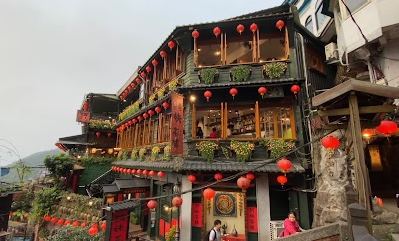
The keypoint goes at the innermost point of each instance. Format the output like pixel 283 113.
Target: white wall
pixel 389 64
pixel 311 11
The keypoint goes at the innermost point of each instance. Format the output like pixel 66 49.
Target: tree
pixel 22 170
pixel 59 165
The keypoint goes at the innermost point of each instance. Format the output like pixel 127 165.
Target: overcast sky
pixel 53 52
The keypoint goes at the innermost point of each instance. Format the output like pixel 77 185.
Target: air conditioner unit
pixel 331 51
pixel 276 227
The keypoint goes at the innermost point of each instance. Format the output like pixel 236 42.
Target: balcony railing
pixel 245 72
pixel 102 124
pixel 160 93
pixel 130 110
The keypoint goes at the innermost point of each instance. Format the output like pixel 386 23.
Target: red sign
pixel 252 219
pixel 119 225
pixel 83 116
pixel 167 227
pixel 177 122
pixel 161 227
pixel 196 218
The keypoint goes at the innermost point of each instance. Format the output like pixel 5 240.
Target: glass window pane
pixel 208 123
pixel 267 123
pixel 353 5
pixel 241 122
pixel 272 48
pixel 320 18
pixel 208 54
pixel 309 24
pixel 284 122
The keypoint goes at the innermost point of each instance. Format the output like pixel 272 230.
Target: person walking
pixel 214 234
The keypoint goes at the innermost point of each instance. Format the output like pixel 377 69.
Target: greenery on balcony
pixel 278 147
pixel 96 160
pixel 240 73
pixel 275 69
pixel 164 89
pixel 207 149
pixel 102 124
pixel 208 75
pixel 243 149
pixel 130 110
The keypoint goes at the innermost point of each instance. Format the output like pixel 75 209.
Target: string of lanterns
pixel 130 171
pixel 93 230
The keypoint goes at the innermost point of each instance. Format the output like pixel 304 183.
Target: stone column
pixel 185 210
pixel 263 204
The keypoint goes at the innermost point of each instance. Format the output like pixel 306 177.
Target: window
pixel 320 18
pixel 209 53
pixel 164 131
pixel 206 121
pixel 309 24
pixel 315 60
pixel 354 5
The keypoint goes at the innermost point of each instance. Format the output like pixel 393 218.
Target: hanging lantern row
pixel 145 115
pixel 134 84
pixel 130 171
pixel 386 128
pixel 92 231
pixel 262 91
pixel 240 29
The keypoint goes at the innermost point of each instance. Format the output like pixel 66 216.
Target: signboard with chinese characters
pixel 196 218
pixel 252 219
pixel 119 226
pixel 83 116
pixel 177 122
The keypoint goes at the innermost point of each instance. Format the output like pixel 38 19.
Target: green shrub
pixel 240 73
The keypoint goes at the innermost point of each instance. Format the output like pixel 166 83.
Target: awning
pixel 127 204
pixel 125 184
pixel 66 143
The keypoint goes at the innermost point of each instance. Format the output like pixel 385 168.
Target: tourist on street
pixel 215 234
pixel 291 226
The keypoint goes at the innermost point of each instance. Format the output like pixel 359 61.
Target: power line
pixel 354 21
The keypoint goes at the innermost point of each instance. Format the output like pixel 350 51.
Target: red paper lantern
pixel 124 170
pixel 250 176
pixel 145 172
pixel 195 34
pixel 233 92
pixel 209 193
pixel 280 24
pixel 133 85
pixel 243 183
pixel 145 115
pixel 61 221
pixel 129 171
pixel 129 88
pixel 240 28
pixel 138 80
pixel 154 62
pixel 378 200
pixel 171 44
pixel 46 218
pixel 143 74
pixel 134 121
pixel 162 53
pixel 152 204
pixel 151 112
pixel 284 164
pixel 218 176
pixel 109 134
pixel 216 31
pixel 133 171
pixel 140 118
pixel 130 122
pixel 387 128
pixel 207 95
pixel 253 27
pixel 98 134
pixel 177 201
pixel 330 142
pixel 295 89
pixel 158 109
pixel 67 222
pixel 262 91
pixel 75 224
pixel 83 225
pixel 161 174
pixel 103 226
pixel 93 231
pixel 165 105
pixel 191 178
pixel 148 69
pixel 282 180
pixel 54 220
pixel 367 133
pixel 152 173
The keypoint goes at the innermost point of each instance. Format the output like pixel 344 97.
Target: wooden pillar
pixel 363 188
pixel 257 120
pixel 263 205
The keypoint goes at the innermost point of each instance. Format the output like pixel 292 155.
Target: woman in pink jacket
pixel 291 226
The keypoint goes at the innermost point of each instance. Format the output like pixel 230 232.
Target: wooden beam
pixel 362 110
pixel 362 182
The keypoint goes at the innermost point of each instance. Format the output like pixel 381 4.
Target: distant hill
pixel 34 161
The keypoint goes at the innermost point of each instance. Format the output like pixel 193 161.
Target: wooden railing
pixel 160 93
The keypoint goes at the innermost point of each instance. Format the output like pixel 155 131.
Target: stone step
pixel 395 236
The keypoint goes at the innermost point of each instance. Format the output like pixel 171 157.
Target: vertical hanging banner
pixel 162 227
pixel 119 225
pixel 196 218
pixel 252 219
pixel 177 122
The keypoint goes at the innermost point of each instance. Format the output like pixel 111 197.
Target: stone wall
pixel 331 176
pixel 332 232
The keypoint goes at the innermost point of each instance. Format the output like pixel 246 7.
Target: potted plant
pixel 275 69
pixel 167 152
pixel 243 149
pixel 133 156
pixel 208 75
pixel 278 147
pixel 240 73
pixel 207 149
pixel 161 93
pixel 170 236
pixel 142 152
pixel 155 152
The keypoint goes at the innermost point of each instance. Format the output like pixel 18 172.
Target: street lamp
pixel 177 191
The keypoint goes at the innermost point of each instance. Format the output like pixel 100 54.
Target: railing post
pixel 350 198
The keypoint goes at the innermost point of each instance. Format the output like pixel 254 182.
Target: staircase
pixel 136 233
pixel 96 185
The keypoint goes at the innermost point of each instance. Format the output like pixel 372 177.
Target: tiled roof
pixel 131 183
pixel 196 164
pixel 127 204
pixel 110 188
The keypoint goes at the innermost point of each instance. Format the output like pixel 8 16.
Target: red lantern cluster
pixel 387 128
